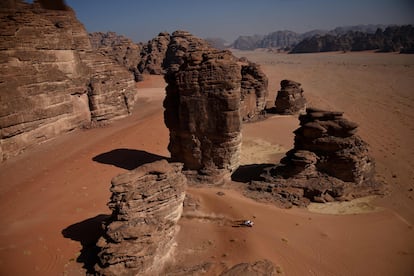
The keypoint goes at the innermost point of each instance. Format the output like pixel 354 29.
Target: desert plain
pixel 53 196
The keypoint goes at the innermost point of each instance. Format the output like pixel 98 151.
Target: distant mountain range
pixel 349 38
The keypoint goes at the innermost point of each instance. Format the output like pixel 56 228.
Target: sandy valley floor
pixel 53 197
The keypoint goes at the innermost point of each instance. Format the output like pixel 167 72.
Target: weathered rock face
pixel 146 204
pixel 181 43
pixel 202 111
pixel 290 99
pixel 329 162
pixel 50 80
pixel 253 91
pixel 120 49
pixel 153 54
pixel 254 82
pixel 110 88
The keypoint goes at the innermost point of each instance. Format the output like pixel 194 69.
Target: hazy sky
pixel 141 20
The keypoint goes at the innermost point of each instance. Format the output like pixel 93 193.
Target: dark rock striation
pixel 290 99
pixel 329 162
pixel 146 204
pixel 51 81
pixel 202 110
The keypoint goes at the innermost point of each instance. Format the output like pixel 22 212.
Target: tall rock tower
pixel 202 110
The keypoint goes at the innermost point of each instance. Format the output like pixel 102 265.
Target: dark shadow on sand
pixel 127 158
pixel 87 232
pixel 251 172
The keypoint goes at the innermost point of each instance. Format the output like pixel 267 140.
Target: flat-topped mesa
pixel 253 91
pixel 290 99
pixel 328 162
pixel 202 112
pixel 146 204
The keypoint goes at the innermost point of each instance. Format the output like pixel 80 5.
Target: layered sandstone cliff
pixel 120 49
pixel 146 204
pixel 202 112
pixel 51 81
pixel 328 162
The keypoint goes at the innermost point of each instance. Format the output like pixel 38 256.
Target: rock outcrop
pixel 146 204
pixel 120 49
pixel 181 43
pixel 253 91
pixel 290 99
pixel 329 162
pixel 153 54
pixel 51 81
pixel 202 111
pixel 259 268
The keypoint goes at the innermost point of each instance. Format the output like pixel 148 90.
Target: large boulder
pixel 146 204
pixel 328 162
pixel 202 112
pixel 290 99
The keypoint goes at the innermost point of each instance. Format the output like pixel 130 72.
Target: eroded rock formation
pixel 153 54
pixel 119 48
pixel 146 204
pixel 329 162
pixel 51 81
pixel 181 43
pixel 254 83
pixel 253 91
pixel 290 99
pixel 202 112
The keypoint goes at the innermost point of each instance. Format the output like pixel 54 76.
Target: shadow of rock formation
pixel 87 232
pixel 128 159
pixel 251 172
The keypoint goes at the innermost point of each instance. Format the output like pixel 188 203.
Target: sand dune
pixel 53 197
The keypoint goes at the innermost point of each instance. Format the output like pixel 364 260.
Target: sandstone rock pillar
pixel 146 204
pixel 202 112
pixel 290 99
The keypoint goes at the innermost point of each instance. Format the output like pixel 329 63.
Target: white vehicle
pixel 248 223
